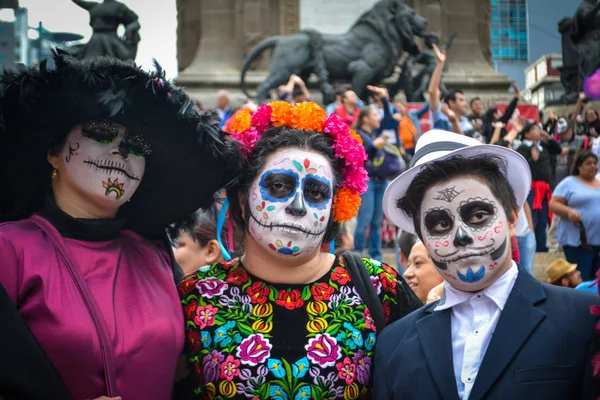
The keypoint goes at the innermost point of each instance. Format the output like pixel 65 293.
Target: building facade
pixel 523 31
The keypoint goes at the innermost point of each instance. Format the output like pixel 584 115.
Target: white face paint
pixel 104 161
pixel 466 232
pixel 290 203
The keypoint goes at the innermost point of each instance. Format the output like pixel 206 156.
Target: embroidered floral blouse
pixel 247 338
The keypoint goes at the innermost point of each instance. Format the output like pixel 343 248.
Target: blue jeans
pixel 540 223
pixel 527 250
pixel 370 215
pixel 586 260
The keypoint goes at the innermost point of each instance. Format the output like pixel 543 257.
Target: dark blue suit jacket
pixel 541 349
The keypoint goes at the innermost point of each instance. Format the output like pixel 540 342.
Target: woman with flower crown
pixel 286 321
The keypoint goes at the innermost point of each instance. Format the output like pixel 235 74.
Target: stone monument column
pixel 215 36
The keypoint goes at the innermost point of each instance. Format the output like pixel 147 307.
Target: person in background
pixel 223 109
pixel 526 238
pixel 421 274
pixel 370 214
pixel 590 124
pixel 493 116
pixel 550 124
pixel 406 241
pixel 577 201
pixel 295 91
pixel 537 148
pixel 409 126
pixel 344 240
pixel 562 273
pixel 349 109
pixel 476 116
pixel 196 243
pixel 455 101
pixel 339 94
pixel 571 145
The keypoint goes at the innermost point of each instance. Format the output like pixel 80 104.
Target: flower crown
pixel 347 144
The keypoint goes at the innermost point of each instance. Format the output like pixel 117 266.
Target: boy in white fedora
pixel 496 333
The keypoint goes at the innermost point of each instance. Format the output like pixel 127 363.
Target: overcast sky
pixel 158 19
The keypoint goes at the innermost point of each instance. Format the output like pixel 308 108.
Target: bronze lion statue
pixel 364 55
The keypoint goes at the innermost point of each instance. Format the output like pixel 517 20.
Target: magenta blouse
pixel 132 283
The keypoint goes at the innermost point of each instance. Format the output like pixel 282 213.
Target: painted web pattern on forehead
pixel 447 194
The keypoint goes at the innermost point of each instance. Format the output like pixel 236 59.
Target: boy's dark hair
pixel 491 169
pixel 451 95
pixel 274 139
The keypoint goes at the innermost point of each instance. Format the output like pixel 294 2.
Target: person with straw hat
pixel 562 273
pixel 488 336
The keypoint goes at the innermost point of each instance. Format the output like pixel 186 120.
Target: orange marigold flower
pixel 240 122
pixel 281 113
pixel 310 116
pixel 356 136
pixel 345 205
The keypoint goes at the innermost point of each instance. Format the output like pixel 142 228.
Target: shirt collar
pixel 498 291
pixel 529 143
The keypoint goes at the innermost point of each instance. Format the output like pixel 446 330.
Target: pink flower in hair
pixel 335 126
pixel 261 119
pixel 248 138
pixel 355 179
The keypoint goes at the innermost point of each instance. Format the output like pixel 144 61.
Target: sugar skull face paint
pixel 466 231
pixel 290 202
pixel 101 158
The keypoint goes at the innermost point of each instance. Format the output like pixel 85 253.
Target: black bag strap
pixel 365 288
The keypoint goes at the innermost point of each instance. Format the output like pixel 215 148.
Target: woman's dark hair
pixel 364 113
pixel 491 169
pixel 201 226
pixel 580 159
pixel 274 139
pixel 489 114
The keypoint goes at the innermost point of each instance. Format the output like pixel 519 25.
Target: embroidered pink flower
pixel 346 371
pixel 211 287
pixel 254 350
pixel 230 368
pixel 323 350
pixel 205 316
pixel 369 322
pixel 261 119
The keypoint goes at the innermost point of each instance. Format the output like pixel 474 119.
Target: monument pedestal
pixel 214 37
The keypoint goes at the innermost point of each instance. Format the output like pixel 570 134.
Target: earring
pixel 54 174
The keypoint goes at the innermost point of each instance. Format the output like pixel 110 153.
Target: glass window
pixel 509 30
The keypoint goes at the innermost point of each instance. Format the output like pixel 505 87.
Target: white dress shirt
pixel 473 320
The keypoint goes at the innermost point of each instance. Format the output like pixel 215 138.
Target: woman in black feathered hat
pixel 97 157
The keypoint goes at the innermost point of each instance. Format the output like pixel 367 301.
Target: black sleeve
pixel 553 147
pixel 525 152
pixel 509 110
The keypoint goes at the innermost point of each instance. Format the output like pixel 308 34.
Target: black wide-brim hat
pixel 190 159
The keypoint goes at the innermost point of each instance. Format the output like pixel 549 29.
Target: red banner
pixel 425 121
pixel 526 111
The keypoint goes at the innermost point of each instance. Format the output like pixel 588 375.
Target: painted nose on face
pixel 119 149
pixel 297 208
pixel 462 238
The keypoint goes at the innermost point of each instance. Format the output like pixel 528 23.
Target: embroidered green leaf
pixel 306 293
pixel 246 330
pixel 272 294
pixel 289 376
pixel 333 328
pixel 333 284
pixel 246 285
pixel 297 165
pixel 190 325
pixel 219 319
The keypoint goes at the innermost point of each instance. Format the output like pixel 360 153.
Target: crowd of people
pixel 153 250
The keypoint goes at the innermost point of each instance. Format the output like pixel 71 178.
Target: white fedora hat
pixel 437 145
